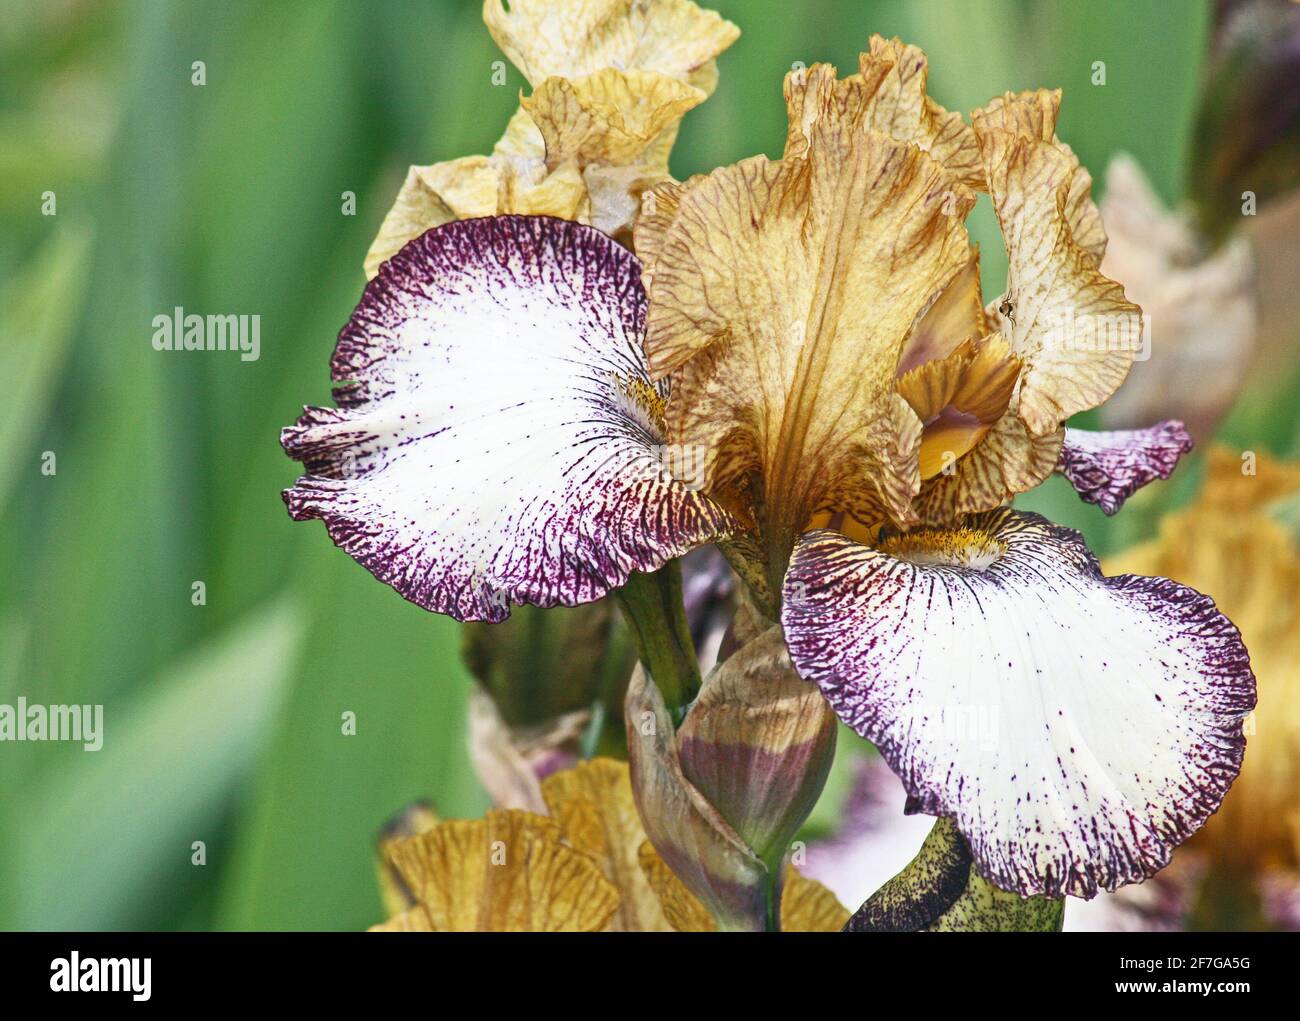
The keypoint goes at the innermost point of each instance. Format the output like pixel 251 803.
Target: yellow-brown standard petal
pixel 507 872
pixel 571 38
pixel 412 820
pixel 432 196
pixel 782 295
pixel 1073 327
pixel 607 117
pixel 613 79
pixel 514 179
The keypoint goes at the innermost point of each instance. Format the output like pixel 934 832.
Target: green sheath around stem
pixel 653 606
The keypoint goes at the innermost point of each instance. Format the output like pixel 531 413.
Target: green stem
pixel 653 606
pixel 773 895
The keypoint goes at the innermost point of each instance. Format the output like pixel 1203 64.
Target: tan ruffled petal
pixel 807 906
pixel 1073 327
pixel 507 872
pixel 607 117
pixel 593 804
pixel 571 38
pixel 782 295
pixel 612 80
pixel 901 109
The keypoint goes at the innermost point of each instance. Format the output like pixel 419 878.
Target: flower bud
pixel 723 795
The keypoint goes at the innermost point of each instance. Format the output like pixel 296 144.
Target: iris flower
pixel 796 363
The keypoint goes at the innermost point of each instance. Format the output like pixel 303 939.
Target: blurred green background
pixel 224 721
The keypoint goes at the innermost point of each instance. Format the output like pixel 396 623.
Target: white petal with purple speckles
pixel 497 436
pixel 1076 727
pixel 1106 468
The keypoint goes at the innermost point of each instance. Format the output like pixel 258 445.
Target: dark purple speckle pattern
pixel 485 450
pixel 1106 468
pixel 1077 728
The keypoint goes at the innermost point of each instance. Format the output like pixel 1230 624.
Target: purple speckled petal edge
pixel 1077 728
pixel 497 438
pixel 1106 468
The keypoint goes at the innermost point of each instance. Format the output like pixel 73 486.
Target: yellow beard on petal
pixel 945 547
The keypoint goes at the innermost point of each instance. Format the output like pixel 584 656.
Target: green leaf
pixel 107 832
pixel 41 304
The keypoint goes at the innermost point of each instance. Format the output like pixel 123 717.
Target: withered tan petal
pixel 1072 326
pixel 782 295
pixel 507 760
pixel 807 906
pixel 594 806
pixel 571 38
pixel 608 117
pixel 507 872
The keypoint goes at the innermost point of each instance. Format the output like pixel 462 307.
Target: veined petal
pixel 514 179
pixel 1009 460
pixel 894 75
pixel 1072 326
pixel 782 295
pixel 498 438
pixel 612 80
pixel 431 196
pixel 1077 728
pixel 507 872
pixel 1106 468
pixel 594 805
pixel 571 38
pixel 1006 458
pixel 608 117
